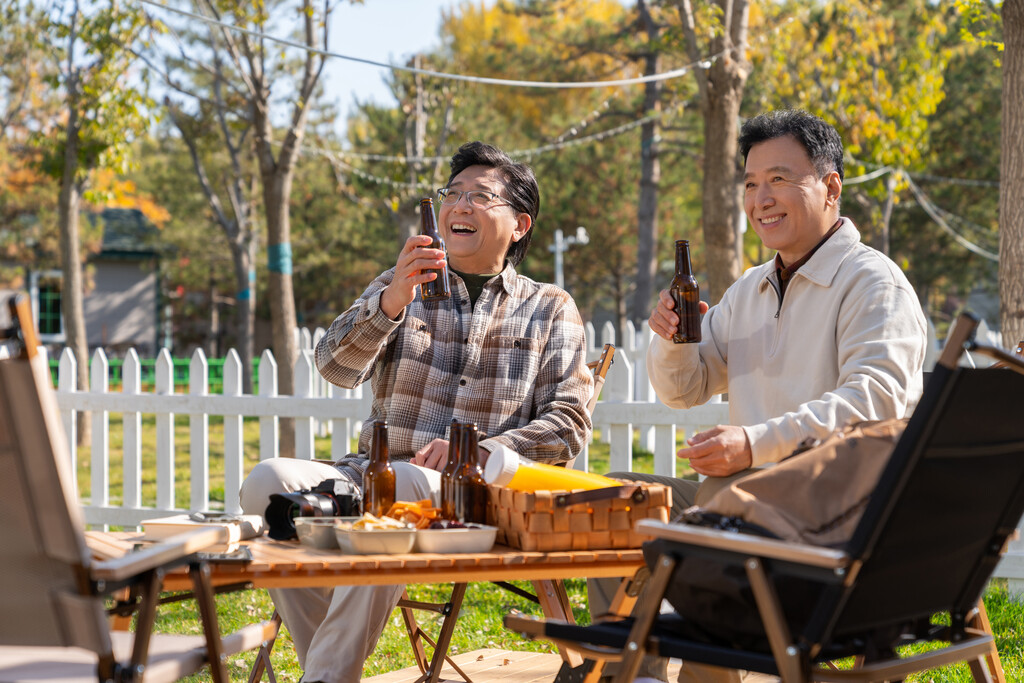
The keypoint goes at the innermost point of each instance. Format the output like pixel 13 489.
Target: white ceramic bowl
pixel 478 539
pixel 375 541
pixel 318 532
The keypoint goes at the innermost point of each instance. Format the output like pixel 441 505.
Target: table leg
pixel 555 602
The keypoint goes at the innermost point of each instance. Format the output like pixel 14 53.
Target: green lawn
pixel 484 606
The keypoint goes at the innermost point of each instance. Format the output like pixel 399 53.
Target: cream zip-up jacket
pixel 846 343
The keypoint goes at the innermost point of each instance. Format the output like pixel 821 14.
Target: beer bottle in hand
pixel 449 472
pixel 379 477
pixel 686 296
pixel 438 288
pixel 470 487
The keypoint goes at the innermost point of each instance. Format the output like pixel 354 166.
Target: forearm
pixel 347 352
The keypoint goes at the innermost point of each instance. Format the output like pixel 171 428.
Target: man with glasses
pixel 505 352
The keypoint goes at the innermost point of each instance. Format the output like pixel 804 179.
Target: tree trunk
pixel 721 198
pixel 276 191
pixel 71 266
pixel 1011 187
pixel 647 206
pixel 243 257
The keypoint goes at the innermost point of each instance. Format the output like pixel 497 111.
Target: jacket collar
pixel 822 267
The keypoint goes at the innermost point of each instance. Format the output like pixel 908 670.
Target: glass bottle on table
pixel 379 477
pixel 686 296
pixel 438 288
pixel 449 472
pixel 470 486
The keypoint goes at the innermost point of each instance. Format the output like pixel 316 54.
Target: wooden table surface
pixel 288 564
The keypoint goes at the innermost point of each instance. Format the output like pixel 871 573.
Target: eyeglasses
pixel 479 199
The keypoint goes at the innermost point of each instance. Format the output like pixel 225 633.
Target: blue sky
pixel 382 30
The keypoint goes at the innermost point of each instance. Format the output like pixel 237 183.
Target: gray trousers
pixel 685 493
pixel 334 629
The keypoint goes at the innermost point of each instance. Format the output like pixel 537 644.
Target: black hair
pixel 521 188
pixel 819 139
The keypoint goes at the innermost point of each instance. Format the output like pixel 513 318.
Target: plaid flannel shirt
pixel 515 365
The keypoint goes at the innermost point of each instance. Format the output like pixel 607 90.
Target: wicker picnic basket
pixel 576 520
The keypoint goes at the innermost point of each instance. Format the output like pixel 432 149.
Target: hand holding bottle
pixel 664 320
pixel 417 263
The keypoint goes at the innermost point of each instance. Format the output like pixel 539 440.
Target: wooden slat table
pixel 287 564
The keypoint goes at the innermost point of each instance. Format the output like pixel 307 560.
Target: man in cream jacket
pixel 828 332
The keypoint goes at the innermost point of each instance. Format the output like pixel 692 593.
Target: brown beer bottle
pixel 379 477
pixel 437 288
pixel 470 487
pixel 686 296
pixel 449 471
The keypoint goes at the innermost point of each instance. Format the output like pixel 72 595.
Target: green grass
pixel 484 606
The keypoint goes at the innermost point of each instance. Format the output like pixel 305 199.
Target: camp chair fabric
pixel 55 625
pixel 933 531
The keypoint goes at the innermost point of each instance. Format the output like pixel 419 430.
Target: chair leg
pixel 444 639
pixel 650 607
pixel 980 621
pixel 413 630
pixel 262 662
pixel 791 668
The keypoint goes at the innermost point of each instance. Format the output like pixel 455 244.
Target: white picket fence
pixel 627 408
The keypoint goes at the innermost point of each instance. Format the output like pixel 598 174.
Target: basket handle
pixel 634 492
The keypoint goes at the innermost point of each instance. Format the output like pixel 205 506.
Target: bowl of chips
pixel 370 535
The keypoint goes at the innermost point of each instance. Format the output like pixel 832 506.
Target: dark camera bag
pixel 815 496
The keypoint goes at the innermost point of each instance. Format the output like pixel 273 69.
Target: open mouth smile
pixel 462 229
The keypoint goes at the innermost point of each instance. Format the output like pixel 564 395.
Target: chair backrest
pixel 949 498
pixel 44 580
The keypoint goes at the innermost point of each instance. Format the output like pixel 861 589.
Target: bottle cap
pixel 502 464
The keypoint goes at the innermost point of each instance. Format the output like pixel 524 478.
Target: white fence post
pixel 199 434
pixel 234 453
pixel 131 384
pixel 618 388
pixel 269 429
pixel 164 433
pixel 304 370
pixel 99 459
pixel 67 382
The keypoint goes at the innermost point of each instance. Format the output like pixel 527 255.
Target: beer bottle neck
pixel 683 259
pixel 379 450
pixel 470 449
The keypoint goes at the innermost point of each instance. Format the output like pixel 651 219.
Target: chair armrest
pixel 745 544
pixel 156 555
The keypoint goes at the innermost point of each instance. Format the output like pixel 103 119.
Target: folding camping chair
pixel 55 626
pixel 547 592
pixel 927 543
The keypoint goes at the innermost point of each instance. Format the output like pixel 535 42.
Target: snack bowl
pixel 375 541
pixel 475 539
pixel 318 532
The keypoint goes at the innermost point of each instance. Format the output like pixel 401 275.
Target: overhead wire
pixel 664 76
pixel 933 212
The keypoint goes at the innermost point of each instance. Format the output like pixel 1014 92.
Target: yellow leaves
pixel 123 194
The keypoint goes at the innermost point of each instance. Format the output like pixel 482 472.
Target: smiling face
pixel 788 204
pixel 478 239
